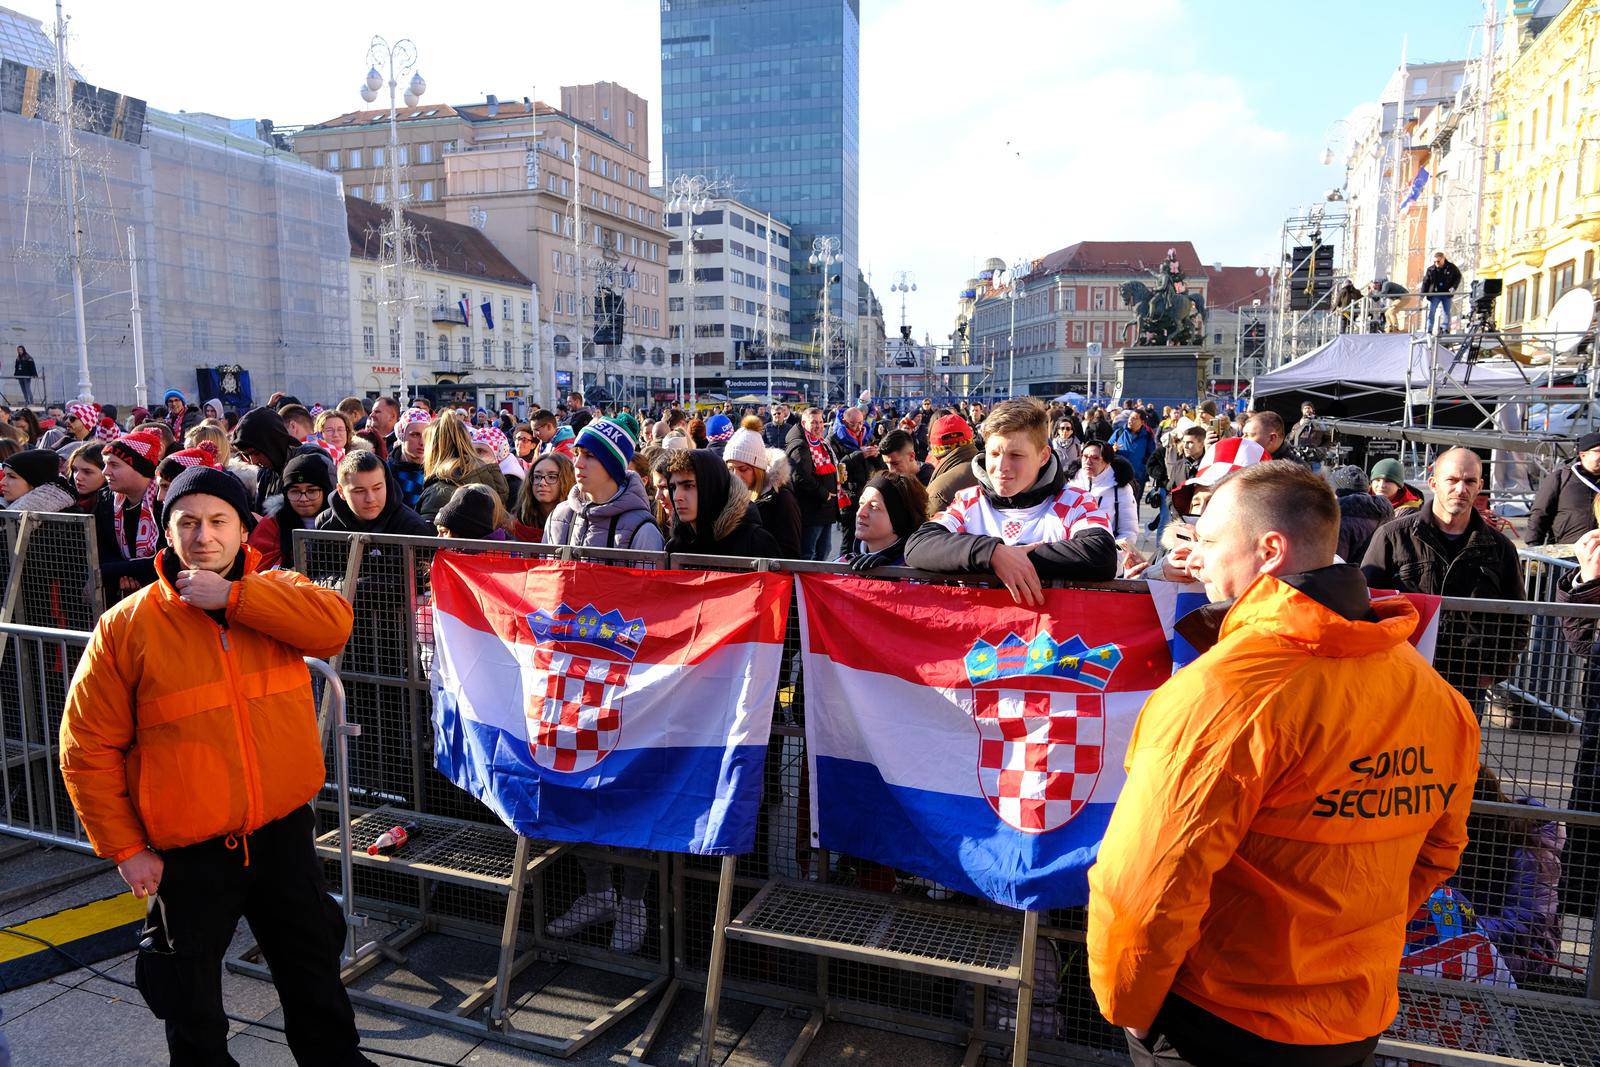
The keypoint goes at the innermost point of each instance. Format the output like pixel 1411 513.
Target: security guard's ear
pixel 1272 550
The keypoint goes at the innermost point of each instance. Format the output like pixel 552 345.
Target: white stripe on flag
pixel 709 704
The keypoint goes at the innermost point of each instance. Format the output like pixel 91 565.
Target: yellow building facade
pixel 1541 211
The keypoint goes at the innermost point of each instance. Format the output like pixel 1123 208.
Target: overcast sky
pixel 1004 128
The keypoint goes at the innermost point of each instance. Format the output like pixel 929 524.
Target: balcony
pixel 1529 246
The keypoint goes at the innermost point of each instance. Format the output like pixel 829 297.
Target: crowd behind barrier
pixel 1532 730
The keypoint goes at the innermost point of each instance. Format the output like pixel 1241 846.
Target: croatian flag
pixel 607 705
pixel 466 311
pixel 1174 600
pixel 985 753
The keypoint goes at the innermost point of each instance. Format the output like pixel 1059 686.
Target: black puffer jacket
pixel 1360 515
pixel 727 522
pixel 1563 510
pixel 1412 554
pixel 818 494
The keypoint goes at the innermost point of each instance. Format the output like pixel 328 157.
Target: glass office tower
pixel 766 94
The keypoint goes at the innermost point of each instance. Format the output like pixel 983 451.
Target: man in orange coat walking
pixel 189 747
pixel 1292 798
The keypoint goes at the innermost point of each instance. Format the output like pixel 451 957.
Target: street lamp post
pixel 1018 270
pixel 401 59
pixel 825 252
pixel 689 194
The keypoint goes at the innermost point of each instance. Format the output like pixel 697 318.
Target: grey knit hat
pixel 1348 479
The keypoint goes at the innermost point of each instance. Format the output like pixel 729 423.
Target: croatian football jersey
pixel 1054 519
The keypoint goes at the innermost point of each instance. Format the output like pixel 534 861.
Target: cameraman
pixel 1309 436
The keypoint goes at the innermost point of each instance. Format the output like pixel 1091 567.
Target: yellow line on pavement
pixel 72 924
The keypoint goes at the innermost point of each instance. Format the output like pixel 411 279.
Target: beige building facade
pixel 564 195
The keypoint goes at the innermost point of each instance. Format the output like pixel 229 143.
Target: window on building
pixel 488 352
pixel 444 349
pixel 1533 293
pixel 421 345
pixel 427 190
pixel 555 222
pixel 525 311
pixel 1097 297
pixel 403 154
pixel 1588 266
pixel 369 342
pixel 505 350
pixel 424 153
pixel 630 118
pixel 355 159
pixel 605 114
pixel 377 157
pixel 355 191
pixel 405 191
pixel 1562 279
pixel 394 343
pixel 379 194
pixel 527 356
pixel 466 350
pixel 505 311
pixel 366 287
pixel 330 161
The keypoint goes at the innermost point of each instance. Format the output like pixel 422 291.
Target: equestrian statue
pixel 1168 314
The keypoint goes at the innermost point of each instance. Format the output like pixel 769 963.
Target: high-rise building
pixel 765 93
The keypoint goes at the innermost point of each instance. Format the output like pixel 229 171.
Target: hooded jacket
pixel 1563 509
pixel 436 491
pixel 1360 515
pixel 395 518
pixel 181 727
pixel 262 429
pixel 1077 534
pixel 780 511
pixel 624 521
pixel 727 522
pixel 1268 847
pixel 1113 492
pixel 818 494
pixel 953 474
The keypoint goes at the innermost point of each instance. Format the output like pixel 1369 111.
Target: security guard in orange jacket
pixel 189 748
pixel 1292 798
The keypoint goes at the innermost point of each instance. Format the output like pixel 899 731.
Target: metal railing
pixel 1532 669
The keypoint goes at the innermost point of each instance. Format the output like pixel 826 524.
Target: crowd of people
pixel 1026 491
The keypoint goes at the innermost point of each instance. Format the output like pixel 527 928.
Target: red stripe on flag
pixel 687 614
pixel 922 633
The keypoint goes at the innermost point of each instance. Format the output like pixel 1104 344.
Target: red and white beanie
pixel 491 437
pixel 86 413
pixel 1221 459
pixel 410 415
pixel 140 449
pixel 205 454
pixel 107 429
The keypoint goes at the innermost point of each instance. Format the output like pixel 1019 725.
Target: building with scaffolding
pixel 237 247
pixel 564 194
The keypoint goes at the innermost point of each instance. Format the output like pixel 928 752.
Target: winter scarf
pixel 821 455
pixel 149 532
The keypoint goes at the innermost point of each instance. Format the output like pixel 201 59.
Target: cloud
pixel 1023 127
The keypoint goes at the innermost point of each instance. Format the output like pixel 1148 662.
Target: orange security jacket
pixel 1293 796
pixel 177 730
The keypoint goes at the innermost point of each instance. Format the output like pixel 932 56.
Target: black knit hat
pixel 36 466
pixel 211 482
pixel 312 467
pixel 469 513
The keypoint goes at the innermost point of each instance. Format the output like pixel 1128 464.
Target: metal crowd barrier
pixel 1486 648
pixel 1528 667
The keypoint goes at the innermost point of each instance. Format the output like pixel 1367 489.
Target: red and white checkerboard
pixel 575 709
pixel 1039 754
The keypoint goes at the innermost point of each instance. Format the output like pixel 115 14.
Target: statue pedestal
pixel 1165 375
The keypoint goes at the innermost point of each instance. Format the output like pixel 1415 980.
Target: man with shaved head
pixel 1448 549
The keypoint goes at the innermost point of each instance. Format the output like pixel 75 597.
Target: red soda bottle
pixel 392 839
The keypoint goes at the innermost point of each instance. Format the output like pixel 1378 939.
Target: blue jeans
pixel 1439 306
pixel 816 543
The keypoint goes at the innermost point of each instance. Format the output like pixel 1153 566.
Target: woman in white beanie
pixel 748 460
